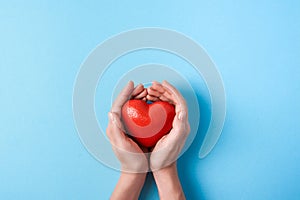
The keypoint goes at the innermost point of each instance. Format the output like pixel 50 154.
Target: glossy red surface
pixel 147 123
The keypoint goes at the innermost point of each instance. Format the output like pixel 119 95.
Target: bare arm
pixel 134 164
pixel 168 183
pixel 129 186
pixel 165 153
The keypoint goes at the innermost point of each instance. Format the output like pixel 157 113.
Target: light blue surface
pixel 255 46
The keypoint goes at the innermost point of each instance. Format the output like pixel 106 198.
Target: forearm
pixel 168 183
pixel 129 186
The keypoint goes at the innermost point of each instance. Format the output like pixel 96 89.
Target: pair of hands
pixel 134 158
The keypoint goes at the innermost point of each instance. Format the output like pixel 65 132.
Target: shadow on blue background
pixel 255 45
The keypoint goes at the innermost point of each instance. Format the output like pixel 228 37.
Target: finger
pixel 122 98
pixel 117 122
pixel 141 95
pixel 158 87
pixel 151 91
pixel 176 96
pixel 114 131
pixel 163 98
pixel 167 97
pixel 179 131
pixel 164 94
pixel 152 98
pixel 137 90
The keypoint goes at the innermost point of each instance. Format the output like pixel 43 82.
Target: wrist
pixel 133 177
pixel 166 172
pixel 129 186
pixel 133 180
pixel 168 183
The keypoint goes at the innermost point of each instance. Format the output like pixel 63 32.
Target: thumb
pixel 114 118
pixel 179 119
pixel 180 129
pixel 115 133
pixel 182 115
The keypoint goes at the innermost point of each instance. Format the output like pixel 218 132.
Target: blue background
pixel 255 45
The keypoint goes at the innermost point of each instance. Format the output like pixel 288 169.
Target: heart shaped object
pixel 147 123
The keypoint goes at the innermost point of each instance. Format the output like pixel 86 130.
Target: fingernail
pixel 180 115
pixel 111 116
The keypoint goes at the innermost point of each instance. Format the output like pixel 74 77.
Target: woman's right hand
pixel 130 155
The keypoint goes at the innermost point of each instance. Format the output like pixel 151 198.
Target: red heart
pixel 147 123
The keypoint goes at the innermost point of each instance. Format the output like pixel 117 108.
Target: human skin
pixel 133 162
pixel 162 160
pixel 130 155
pixel 165 153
